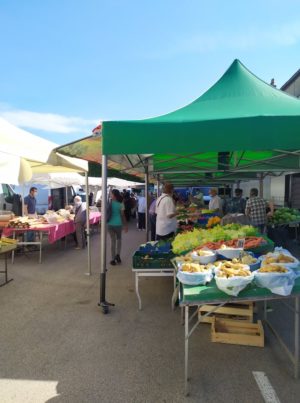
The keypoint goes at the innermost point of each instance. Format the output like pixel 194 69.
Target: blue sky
pixel 67 64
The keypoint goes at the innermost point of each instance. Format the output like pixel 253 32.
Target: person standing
pixel 127 206
pixel 215 202
pixel 166 222
pixel 256 210
pixel 141 213
pixel 116 223
pixel 236 204
pixel 80 221
pixel 152 219
pixel 30 210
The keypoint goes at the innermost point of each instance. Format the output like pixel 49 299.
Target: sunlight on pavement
pixel 25 391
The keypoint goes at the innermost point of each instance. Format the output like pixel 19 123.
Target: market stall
pixel 240 127
pixel 53 226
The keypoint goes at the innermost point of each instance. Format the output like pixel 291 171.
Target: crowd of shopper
pixel 126 206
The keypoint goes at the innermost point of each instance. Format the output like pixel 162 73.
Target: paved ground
pixel 57 346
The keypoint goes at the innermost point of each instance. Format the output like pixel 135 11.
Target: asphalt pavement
pixel 56 345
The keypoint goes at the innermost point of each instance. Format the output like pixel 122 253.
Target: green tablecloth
pixel 197 295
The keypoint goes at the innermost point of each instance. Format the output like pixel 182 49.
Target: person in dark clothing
pixel 152 219
pixel 236 204
pixel 127 206
pixel 91 199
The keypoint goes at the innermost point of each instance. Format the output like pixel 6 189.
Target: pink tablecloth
pixel 94 217
pixel 55 231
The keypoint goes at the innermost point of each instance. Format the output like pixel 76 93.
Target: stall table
pixel 195 296
pixel 5 250
pixel 54 232
pixel 152 272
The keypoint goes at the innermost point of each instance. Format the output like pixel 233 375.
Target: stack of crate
pixel 233 324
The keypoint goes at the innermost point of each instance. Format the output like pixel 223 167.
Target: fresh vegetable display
pixel 200 237
pixel 284 215
pixel 250 243
pixel 213 221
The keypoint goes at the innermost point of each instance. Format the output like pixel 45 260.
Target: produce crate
pixel 237 332
pixel 157 260
pixel 237 311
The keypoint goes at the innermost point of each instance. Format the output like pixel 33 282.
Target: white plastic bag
pixel 278 251
pixel 233 285
pixel 277 283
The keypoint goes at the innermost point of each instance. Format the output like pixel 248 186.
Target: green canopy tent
pixel 239 127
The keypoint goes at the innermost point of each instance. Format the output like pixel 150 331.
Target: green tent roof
pixel 239 127
pixel 240 112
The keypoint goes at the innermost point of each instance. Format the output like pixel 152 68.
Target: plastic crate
pixel 152 261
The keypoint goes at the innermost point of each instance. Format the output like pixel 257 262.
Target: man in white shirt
pixel 215 202
pixel 165 209
pixel 141 212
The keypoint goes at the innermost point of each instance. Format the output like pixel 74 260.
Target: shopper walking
pixel 141 212
pixel 116 223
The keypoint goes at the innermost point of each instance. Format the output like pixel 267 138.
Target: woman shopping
pixel 115 224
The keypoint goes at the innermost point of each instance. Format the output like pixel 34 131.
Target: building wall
pixel 294 88
pixel 273 188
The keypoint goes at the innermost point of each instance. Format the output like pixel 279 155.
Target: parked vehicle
pixel 60 197
pixel 6 197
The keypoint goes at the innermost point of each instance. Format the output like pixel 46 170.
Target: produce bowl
pixel 194 278
pixel 207 256
pixel 229 253
pixel 253 266
pixel 235 284
pixel 197 278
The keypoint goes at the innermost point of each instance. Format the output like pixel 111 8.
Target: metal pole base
pixel 105 306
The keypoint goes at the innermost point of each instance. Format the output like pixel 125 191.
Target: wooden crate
pixel 237 332
pixel 238 311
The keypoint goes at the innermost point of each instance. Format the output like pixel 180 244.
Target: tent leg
pixel 158 185
pixel 103 303
pixel 88 224
pixel 147 199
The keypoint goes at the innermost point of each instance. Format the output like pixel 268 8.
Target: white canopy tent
pixel 57 179
pixel 116 182
pixel 22 154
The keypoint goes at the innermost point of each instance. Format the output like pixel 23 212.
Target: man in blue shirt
pixel 29 209
pixel 30 202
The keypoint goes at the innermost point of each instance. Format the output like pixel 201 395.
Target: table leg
pixel 13 252
pixel 137 290
pixel 296 372
pixel 40 240
pixel 186 349
pixel 265 310
pixel 5 267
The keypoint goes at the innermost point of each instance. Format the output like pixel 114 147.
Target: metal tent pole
pixel 88 224
pixel 158 185
pixel 147 199
pixel 261 185
pixel 103 303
